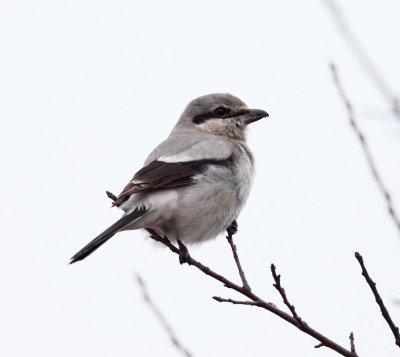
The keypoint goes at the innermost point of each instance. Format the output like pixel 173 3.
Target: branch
pixel 160 317
pixel 282 292
pixel 352 345
pixel 236 257
pixel 301 323
pixel 363 57
pixel 254 298
pixel 235 302
pixel 365 147
pixel 379 301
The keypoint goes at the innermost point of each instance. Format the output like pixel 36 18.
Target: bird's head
pixel 220 114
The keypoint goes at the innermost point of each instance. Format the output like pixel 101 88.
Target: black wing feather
pixel 160 175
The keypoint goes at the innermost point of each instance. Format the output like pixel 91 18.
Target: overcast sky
pixel 88 88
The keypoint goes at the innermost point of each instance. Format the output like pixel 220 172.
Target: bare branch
pixel 379 301
pixel 160 317
pixel 352 345
pixel 282 292
pixel 365 147
pixel 363 57
pixel 239 266
pixel 235 302
pixel 292 309
pixel 248 293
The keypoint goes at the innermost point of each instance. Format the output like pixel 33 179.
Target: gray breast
pixel 244 171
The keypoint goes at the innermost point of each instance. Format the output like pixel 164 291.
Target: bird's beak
pixel 252 115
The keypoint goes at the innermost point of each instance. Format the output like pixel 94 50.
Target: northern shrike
pixel 194 184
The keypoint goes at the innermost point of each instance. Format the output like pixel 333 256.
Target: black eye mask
pixel 220 113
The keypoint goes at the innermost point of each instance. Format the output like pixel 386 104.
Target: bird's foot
pixel 183 254
pixel 232 229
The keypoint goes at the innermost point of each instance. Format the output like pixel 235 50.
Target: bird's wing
pixel 186 145
pixel 175 170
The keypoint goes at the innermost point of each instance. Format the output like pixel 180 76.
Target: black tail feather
pixel 107 234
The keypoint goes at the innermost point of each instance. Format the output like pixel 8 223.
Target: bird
pixel 193 185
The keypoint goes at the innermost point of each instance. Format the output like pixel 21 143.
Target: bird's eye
pixel 220 111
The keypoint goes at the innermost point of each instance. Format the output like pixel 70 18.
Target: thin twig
pixel 352 345
pixel 362 56
pixel 379 301
pixel 365 147
pixel 282 292
pixel 160 317
pixel 239 266
pixel 260 303
pixel 235 302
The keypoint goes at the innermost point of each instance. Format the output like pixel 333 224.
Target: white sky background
pixel 88 88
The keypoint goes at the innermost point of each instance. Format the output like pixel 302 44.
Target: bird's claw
pixel 232 229
pixel 183 254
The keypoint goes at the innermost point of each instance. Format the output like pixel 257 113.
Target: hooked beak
pixel 252 115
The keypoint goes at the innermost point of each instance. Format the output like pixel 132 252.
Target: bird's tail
pixel 107 234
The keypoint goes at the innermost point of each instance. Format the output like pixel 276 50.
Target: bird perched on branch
pixel 194 184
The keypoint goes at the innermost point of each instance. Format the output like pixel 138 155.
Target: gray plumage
pixel 195 183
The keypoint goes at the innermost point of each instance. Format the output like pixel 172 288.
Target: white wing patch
pixel 209 149
pixel 182 157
